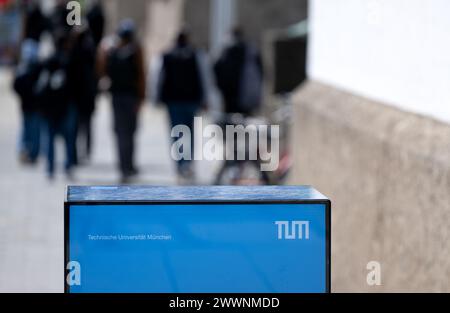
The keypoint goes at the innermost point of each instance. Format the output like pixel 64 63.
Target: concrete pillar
pixel 164 19
pixel 223 16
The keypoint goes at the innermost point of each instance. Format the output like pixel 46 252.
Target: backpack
pixel 25 79
pixel 182 78
pixel 122 69
pixel 51 88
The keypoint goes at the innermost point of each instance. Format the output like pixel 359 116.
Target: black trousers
pixel 84 146
pixel 125 125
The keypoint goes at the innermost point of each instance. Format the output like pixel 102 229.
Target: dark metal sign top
pixel 197 194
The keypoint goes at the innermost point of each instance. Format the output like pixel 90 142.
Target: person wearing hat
pixel 122 62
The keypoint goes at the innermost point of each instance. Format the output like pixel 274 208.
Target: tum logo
pixel 292 230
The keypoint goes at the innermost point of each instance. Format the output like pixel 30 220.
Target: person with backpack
pixel 123 64
pixel 239 76
pixel 25 79
pixel 181 87
pixel 34 24
pixel 52 92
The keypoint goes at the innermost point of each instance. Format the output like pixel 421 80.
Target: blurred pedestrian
pixel 35 23
pixel 26 75
pixel 239 75
pixel 83 87
pixel 52 92
pixel 181 87
pixel 96 21
pixel 84 76
pixel 58 18
pixel 123 63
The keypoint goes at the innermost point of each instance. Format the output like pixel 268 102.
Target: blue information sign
pixel 197 240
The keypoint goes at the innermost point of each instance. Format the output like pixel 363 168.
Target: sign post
pixel 197 240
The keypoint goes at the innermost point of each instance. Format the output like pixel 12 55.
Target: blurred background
pixel 360 90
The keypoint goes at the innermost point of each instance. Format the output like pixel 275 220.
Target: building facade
pixel 372 132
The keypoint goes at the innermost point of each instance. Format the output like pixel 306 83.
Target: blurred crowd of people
pixel 58 93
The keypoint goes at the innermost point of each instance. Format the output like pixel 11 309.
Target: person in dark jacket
pixel 124 65
pixel 239 75
pixel 58 18
pixel 52 92
pixel 34 24
pixel 96 21
pixel 83 87
pixel 34 21
pixel 181 89
pixel 26 75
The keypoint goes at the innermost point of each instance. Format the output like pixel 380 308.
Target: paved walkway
pixel 31 208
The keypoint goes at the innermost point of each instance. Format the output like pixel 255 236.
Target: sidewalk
pixel 31 207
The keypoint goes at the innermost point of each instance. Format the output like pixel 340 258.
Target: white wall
pixel 395 51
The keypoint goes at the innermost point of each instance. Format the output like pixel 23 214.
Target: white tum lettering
pixel 291 230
